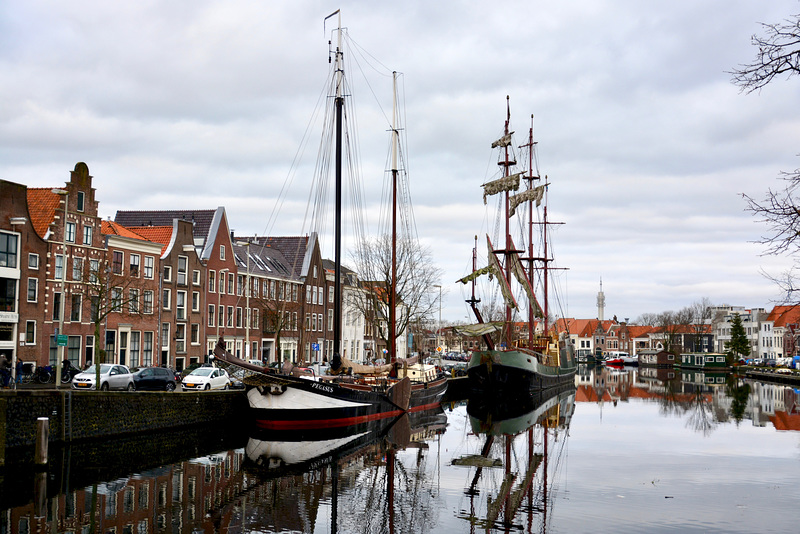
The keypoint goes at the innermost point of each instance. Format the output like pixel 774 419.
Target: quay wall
pixel 84 415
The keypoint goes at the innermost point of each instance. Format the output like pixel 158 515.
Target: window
pixel 168 273
pixel 230 316
pixel 8 250
pixel 195 334
pixel 56 306
pixel 195 301
pixel 330 295
pixel 75 311
pixel 211 309
pixel 87 235
pixel 134 264
pixel 165 335
pixel 308 294
pixel 212 281
pixel 70 235
pixel 221 316
pixel 33 261
pixel 116 299
pixel 80 202
pixel 254 312
pixel 294 292
pixel 222 252
pixel 116 262
pixel 272 289
pixel 133 301
pixel 239 284
pixel 330 320
pixel 180 337
pixel 59 274
pixel 94 268
pixel 196 277
pixel 135 348
pixel 166 297
pixel 147 302
pixel 221 283
pixel 147 349
pixel 183 261
pixel 33 289
pixel 230 283
pixel 30 332
pixel 238 317
pixel 77 269
pixel 180 305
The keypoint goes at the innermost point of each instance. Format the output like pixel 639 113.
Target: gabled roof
pixel 293 249
pixel 263 260
pixel 156 234
pixel 42 205
pixel 112 228
pixel 638 331
pixel 783 315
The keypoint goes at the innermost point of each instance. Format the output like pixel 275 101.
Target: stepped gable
pixel 42 205
pixel 202 219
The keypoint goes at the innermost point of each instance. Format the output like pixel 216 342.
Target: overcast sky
pixel 648 146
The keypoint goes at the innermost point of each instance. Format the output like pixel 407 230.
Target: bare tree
pixel 415 292
pixel 778 54
pixel 108 290
pixel 279 313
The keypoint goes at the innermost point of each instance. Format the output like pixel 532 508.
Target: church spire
pixel 601 301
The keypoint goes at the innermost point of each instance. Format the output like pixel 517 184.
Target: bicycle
pixel 26 377
pixel 44 375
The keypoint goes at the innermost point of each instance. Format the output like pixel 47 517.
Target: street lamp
pixel 60 358
pixel 247 302
pixel 439 327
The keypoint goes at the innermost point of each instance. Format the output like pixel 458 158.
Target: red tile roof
pixel 156 234
pixel 112 228
pixel 783 315
pixel 42 205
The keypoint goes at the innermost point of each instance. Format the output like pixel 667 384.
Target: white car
pixel 112 376
pixel 205 378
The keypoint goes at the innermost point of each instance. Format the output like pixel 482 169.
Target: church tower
pixel 601 301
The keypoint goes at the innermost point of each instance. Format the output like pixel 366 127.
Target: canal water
pixel 624 450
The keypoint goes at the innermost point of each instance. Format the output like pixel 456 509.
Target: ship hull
pixel 298 404
pixel 510 373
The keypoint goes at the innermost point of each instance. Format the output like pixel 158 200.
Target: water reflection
pixel 480 467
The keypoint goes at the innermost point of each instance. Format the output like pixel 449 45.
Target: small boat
pixel 355 393
pixel 516 365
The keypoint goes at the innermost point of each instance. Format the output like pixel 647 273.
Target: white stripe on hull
pixel 296 399
pixel 295 452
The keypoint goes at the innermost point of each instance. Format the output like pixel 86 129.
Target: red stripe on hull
pixel 324 423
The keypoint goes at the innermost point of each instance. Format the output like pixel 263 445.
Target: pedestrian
pixel 20 370
pixel 5 370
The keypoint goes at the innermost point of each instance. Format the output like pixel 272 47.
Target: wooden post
pixel 42 439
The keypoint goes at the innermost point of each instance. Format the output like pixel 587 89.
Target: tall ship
pixel 524 351
pixel 352 393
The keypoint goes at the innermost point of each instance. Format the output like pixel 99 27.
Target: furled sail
pixel 479 329
pixel 503 141
pixel 519 273
pixel 534 194
pixel 506 183
pixel 505 288
pixel 475 274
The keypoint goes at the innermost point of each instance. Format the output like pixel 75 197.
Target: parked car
pixel 155 379
pixel 205 378
pixel 112 376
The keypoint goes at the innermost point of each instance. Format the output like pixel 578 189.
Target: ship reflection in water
pixel 466 467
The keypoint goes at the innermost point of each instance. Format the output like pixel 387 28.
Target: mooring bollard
pixel 42 439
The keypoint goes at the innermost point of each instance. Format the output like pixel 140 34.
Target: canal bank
pixel 75 416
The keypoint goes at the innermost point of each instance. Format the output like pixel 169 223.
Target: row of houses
pixel 160 287
pixel 774 334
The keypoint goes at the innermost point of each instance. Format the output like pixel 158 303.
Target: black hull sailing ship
pixel 513 365
pixel 356 393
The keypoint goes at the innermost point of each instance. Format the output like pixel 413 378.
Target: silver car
pixel 112 376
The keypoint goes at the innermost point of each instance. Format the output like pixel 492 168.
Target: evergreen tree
pixel 739 345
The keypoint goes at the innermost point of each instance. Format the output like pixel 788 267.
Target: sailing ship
pixel 355 393
pixel 510 365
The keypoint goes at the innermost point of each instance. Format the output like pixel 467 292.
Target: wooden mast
pixel 392 330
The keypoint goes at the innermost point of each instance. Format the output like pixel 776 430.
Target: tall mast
pixel 392 330
pixel 531 178
pixel 508 329
pixel 338 108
